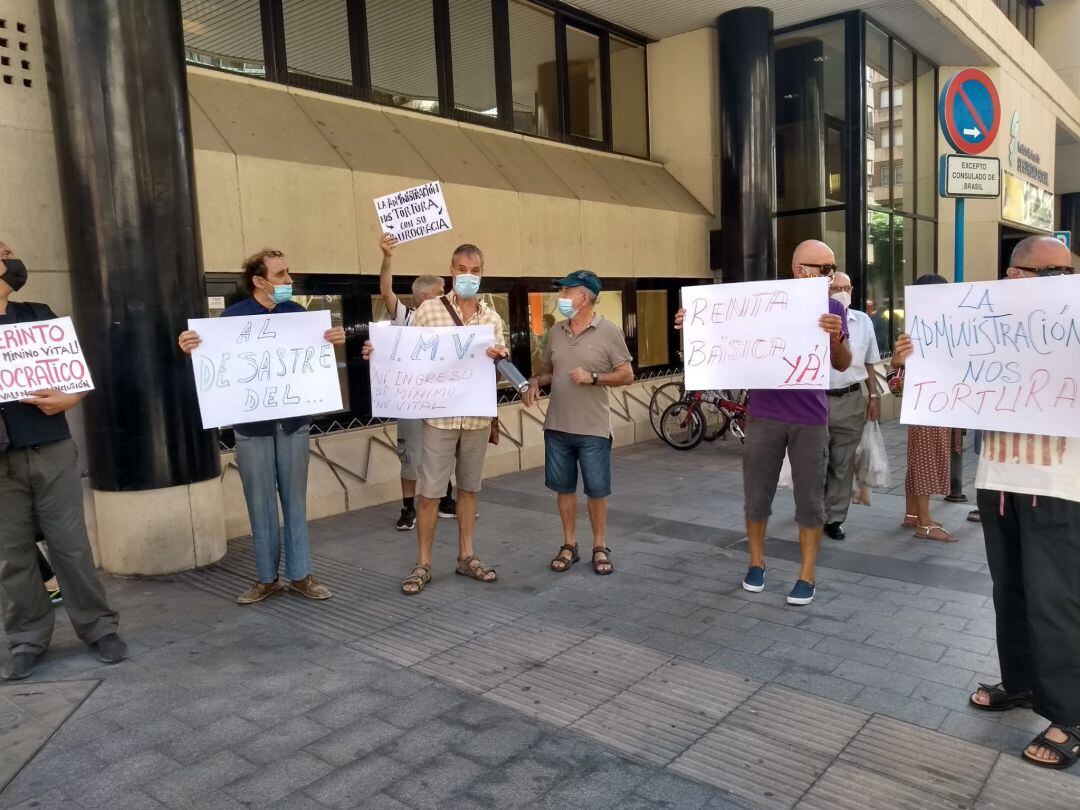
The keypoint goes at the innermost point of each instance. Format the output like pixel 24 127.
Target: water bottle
pixel 512 375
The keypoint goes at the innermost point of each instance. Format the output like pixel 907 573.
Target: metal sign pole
pixel 956 459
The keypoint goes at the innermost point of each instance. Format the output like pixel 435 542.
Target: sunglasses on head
pixel 823 269
pixel 1048 270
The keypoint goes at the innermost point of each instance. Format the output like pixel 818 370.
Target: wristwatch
pixel 595 378
pixel 875 396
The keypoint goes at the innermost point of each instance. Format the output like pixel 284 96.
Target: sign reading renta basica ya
pixel 756 334
pixel 38 355
pixel 423 373
pixel 256 368
pixel 414 213
pixel 995 355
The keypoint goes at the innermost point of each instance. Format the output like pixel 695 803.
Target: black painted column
pixel 747 145
pixel 123 135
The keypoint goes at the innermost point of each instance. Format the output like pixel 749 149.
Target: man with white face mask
pixel 585 354
pixel 454 445
pixel 848 412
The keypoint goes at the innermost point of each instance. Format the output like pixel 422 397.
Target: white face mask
pixel 843 297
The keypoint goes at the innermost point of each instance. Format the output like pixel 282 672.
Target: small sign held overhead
pixel 1065 237
pixel 414 213
pixel 966 176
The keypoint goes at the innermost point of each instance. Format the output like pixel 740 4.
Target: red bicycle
pixel 704 416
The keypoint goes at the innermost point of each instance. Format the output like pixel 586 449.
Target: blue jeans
pixel 564 452
pixel 271 468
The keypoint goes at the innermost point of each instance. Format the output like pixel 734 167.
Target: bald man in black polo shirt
pixel 39 478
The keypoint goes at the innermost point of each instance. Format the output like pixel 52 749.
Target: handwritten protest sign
pixel 421 373
pixel 756 334
pixel 38 355
pixel 260 367
pixel 414 213
pixel 995 355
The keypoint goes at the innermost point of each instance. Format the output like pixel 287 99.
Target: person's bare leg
pixel 922 509
pixel 466 515
pixel 809 542
pixel 755 534
pixel 568 516
pixel 408 488
pixel 427 516
pixel 598 519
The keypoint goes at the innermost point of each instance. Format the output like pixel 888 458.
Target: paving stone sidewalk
pixel 665 685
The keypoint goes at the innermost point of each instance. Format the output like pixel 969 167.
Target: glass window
pixel 313 303
pixel 879 140
pixel 879 297
pixel 317 39
pixel 472 50
pixel 543 315
pixel 903 254
pixel 653 328
pixel 629 116
pixel 827 226
pixel 532 69
pixel 401 47
pixel 224 34
pixel 925 249
pixel 903 123
pixel 926 139
pixel 810 117
pixel 583 72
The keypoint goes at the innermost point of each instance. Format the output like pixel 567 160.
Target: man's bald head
pixel 1038 251
pixel 812 251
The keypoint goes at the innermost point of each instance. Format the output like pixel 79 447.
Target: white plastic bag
pixel 785 474
pixel 871 460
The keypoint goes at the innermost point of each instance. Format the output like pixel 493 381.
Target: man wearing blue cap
pixel 585 354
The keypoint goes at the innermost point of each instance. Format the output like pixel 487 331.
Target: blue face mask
pixel 466 285
pixel 282 293
pixel 566 307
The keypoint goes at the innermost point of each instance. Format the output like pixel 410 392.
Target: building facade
pixel 596 134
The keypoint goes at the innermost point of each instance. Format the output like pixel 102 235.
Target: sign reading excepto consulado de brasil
pixel 967 176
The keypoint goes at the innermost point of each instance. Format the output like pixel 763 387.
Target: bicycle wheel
pixel 717 422
pixel 663 396
pixel 682 426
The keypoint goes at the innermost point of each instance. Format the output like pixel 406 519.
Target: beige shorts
pixel 447 451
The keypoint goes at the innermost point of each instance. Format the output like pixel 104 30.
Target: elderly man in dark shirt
pixel 39 479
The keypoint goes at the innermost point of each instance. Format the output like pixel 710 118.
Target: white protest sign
pixel 254 368
pixel 414 213
pixel 423 373
pixel 756 334
pixel 41 354
pixel 995 355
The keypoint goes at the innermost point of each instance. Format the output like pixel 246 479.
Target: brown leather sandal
pixel 598 566
pixel 934 532
pixel 473 568
pixel 562 563
pixel 417 579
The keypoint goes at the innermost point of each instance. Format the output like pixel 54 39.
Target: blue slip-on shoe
pixel 754 581
pixel 802 593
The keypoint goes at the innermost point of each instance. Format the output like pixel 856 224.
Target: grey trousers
pixel 847 417
pixel 44 484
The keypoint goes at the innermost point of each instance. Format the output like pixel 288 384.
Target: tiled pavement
pixel 664 685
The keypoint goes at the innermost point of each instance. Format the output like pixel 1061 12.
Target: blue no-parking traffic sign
pixel 970 111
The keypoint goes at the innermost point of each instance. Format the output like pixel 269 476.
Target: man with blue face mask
pixel 585 354
pixel 273 456
pixel 456 445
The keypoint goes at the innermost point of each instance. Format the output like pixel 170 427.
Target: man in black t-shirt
pixel 39 478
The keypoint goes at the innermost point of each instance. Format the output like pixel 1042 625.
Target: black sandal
pixel 560 560
pixel 596 564
pixel 1000 700
pixel 1069 751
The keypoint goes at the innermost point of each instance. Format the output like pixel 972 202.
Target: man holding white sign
pixel 789 416
pixel 454 444
pixel 41 484
pixel 1028 487
pixel 273 455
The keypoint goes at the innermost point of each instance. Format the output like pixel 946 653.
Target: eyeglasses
pixel 1048 270
pixel 823 269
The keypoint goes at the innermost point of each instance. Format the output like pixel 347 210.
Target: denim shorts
pixel 565 452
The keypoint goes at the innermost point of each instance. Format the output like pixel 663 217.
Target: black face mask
pixel 15 276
